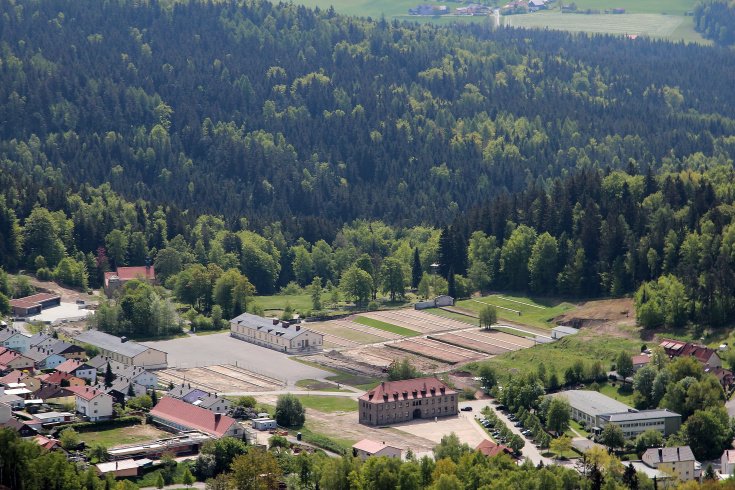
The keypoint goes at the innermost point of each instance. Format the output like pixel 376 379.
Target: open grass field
pixel 619 392
pixel 562 354
pixel 299 302
pixel 328 404
pixel 642 24
pixel 123 435
pixel 535 313
pixel 388 327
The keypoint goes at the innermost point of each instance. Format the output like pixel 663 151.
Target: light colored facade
pixel 400 401
pixel 587 405
pixel 677 461
pixel 92 403
pixel 727 462
pixel 278 335
pixel 366 448
pixel 264 424
pixel 13 339
pixel 124 351
pixel 561 331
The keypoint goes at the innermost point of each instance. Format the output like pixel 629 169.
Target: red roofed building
pixel 366 448
pixel 57 377
pixel 78 369
pixel 640 360
pixel 400 401
pixel 12 360
pixel 32 305
pixel 705 355
pixel 490 449
pixel 179 416
pixel 47 443
pixel 92 403
pixel 116 280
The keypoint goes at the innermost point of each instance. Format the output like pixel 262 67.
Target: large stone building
pixel 596 410
pixel 399 401
pixel 283 336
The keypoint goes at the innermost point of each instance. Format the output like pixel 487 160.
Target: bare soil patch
pixel 220 378
pixel 610 316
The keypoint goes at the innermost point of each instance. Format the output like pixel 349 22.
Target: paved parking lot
pixel 207 350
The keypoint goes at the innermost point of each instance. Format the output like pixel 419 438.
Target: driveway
pixel 529 450
pixel 208 350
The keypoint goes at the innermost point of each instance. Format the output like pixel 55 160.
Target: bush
pixel 373 306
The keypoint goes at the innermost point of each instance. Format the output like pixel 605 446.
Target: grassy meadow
pixel 535 313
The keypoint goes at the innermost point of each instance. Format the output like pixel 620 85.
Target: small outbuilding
pixel 264 424
pixel 562 331
pixel 124 468
pixel 366 448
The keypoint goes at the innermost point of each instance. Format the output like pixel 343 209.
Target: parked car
pixel 466 409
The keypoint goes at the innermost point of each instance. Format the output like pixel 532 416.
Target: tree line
pixel 715 20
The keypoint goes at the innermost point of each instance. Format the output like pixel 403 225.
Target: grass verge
pixel 388 327
pixel 328 404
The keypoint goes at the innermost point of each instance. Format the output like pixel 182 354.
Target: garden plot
pixel 350 331
pixel 382 356
pixel 459 340
pixel 489 342
pixel 417 320
pixel 439 351
pixel 220 379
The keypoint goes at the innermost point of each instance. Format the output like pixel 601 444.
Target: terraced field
pixel 345 333
pixel 439 351
pixel 220 379
pixel 416 320
pixel 489 342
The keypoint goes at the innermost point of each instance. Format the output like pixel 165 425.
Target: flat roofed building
pixel 123 468
pixel 34 304
pixel 367 447
pixel 125 351
pixel 283 336
pixel 587 405
pixel 562 331
pixel 635 423
pixel 400 401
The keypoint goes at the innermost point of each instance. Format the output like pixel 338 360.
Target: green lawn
pixel 315 385
pixel 299 302
pixel 575 425
pixel 454 316
pixel 562 354
pixel 123 435
pixel 388 327
pixel 328 404
pixel 618 392
pixel 360 382
pixel 535 313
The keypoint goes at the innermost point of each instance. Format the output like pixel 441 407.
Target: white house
pixel 278 335
pixel 78 369
pixel 92 403
pixel 727 462
pixel 366 448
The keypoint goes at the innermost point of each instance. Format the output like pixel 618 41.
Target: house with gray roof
pixel 677 461
pixel 201 398
pixel 124 351
pixel 44 359
pixel 11 338
pixel 137 374
pixel 284 336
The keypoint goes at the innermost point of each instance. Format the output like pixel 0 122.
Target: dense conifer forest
pixel 251 136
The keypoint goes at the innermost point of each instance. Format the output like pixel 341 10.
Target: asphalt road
pixel 207 350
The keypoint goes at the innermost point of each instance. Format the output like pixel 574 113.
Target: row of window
pixel 413 403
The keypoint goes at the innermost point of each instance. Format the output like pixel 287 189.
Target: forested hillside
pixel 715 19
pixel 282 113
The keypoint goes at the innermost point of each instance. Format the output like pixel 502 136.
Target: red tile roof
pixel 490 449
pixel 33 300
pixel 9 355
pixel 187 415
pixel 68 366
pixel 130 273
pixel 641 359
pixel 408 389
pixel 676 348
pixel 45 442
pixel 372 447
pixel 56 377
pixel 86 392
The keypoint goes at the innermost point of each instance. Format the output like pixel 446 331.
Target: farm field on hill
pixel 520 309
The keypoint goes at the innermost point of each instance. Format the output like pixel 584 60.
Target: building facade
pixel 400 401
pixel 283 336
pixel 92 403
pixel 366 448
pixel 635 423
pixel 124 351
pixel 676 461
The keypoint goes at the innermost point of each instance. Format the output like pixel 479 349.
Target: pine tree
pixel 416 270
pixel 131 392
pixel 109 377
pixel 154 397
pixel 630 477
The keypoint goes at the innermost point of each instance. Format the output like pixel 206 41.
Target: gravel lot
pixel 205 350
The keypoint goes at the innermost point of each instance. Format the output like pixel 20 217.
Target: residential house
pixel 23 428
pixel 37 339
pixel 12 400
pixel 120 388
pixel 367 447
pixel 114 281
pixel 13 360
pixel 640 361
pixel 92 403
pixel 65 349
pixel 34 304
pixel 283 336
pixel 201 398
pixel 177 415
pixel 44 359
pixel 48 443
pixel 55 394
pixel 703 354
pixel 43 419
pixel 727 463
pixel 11 338
pixel 122 350
pixel 78 369
pixel 124 468
pixel 17 376
pixel 724 376
pixel 490 449
pixel 400 401
pixel 62 379
pixel 677 461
